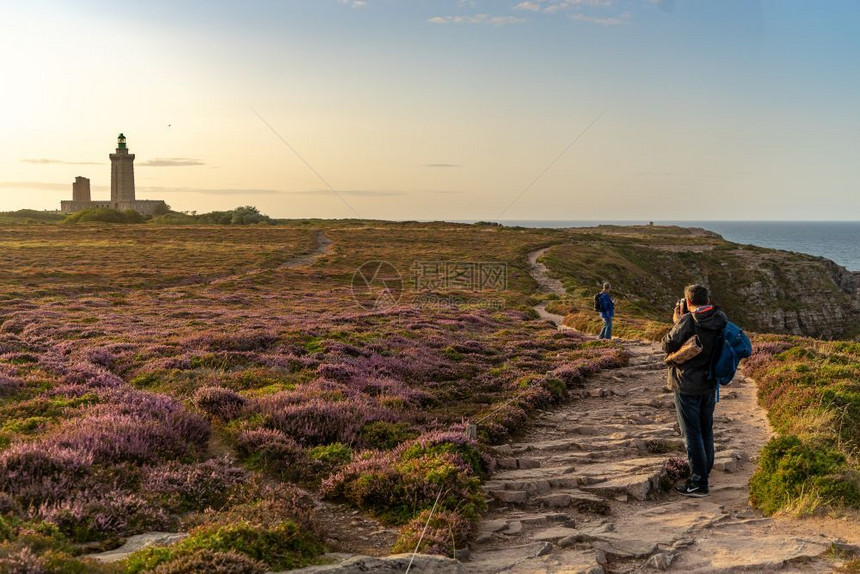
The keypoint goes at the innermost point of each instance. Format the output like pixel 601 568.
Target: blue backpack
pixel 732 346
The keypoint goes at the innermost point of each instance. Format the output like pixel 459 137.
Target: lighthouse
pixel 121 174
pixel 121 188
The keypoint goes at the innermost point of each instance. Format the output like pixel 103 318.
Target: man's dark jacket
pixel 691 378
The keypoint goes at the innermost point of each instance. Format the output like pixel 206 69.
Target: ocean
pixel 838 241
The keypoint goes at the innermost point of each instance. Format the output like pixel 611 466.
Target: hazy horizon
pixel 448 110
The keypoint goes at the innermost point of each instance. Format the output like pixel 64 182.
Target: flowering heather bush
pixel 219 402
pixel 763 353
pixel 184 487
pixel 446 532
pixel 339 372
pixel 114 438
pixel 8 386
pixel 92 377
pixel 22 561
pixel 35 472
pixel 677 468
pixel 318 421
pixel 90 516
pixel 242 340
pixel 165 410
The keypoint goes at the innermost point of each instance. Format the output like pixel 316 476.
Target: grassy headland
pixel 160 377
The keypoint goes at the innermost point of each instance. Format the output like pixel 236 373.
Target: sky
pixel 440 109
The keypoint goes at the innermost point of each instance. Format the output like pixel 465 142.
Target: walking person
pixel 695 396
pixel 604 304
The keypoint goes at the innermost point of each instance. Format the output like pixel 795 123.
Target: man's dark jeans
pixel 696 419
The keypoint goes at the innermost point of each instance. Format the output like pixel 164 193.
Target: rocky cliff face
pixel 799 301
pixel 815 297
pixel 763 290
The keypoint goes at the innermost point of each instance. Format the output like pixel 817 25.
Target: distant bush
pixel 105 215
pixel 245 215
pixel 31 216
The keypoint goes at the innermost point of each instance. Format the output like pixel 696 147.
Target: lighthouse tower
pixel 121 174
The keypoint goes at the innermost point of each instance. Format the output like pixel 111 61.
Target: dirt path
pixel 547 284
pixel 322 245
pixel 581 492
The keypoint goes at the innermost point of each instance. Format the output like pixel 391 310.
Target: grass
pixel 811 391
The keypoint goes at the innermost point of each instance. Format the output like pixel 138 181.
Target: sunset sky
pixel 438 109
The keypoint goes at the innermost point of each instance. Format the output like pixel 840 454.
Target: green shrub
pixel 442 533
pixel 280 546
pixel 385 435
pixel 211 563
pixel 335 453
pixel 801 476
pixel 397 485
pixel 105 215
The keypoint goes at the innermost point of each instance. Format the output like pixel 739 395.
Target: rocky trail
pixel 585 489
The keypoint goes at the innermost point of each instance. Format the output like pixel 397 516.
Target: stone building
pixel 122 194
pixel 81 190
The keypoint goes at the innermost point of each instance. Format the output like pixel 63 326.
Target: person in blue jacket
pixel 607 311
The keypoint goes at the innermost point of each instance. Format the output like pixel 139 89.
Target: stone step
pixel 639 486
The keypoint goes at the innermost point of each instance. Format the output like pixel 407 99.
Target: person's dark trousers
pixel 606 332
pixel 696 419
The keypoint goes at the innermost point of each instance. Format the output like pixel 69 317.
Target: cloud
pixel 608 21
pixel 530 6
pixel 171 162
pixel 350 192
pixel 354 3
pixel 43 185
pixel 43 161
pixel 442 165
pixel 477 19
pixel 553 6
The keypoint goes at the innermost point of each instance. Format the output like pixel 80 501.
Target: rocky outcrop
pixel 799 295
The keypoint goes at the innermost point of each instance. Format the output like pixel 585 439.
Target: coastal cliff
pixel 762 289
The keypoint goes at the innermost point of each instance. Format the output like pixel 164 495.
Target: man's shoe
pixel 692 490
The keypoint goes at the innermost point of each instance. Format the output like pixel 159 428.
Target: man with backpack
pixel 693 381
pixel 604 305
